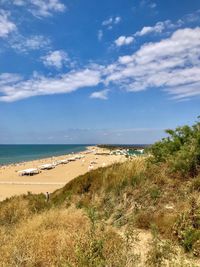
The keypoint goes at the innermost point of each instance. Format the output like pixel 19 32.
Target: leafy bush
pixel 161 250
pixel 154 192
pixel 181 150
pixel 187 227
pixel 191 236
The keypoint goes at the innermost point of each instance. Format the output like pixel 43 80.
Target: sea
pixel 19 153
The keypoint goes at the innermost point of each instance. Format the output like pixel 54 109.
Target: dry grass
pixel 62 238
pixel 85 223
pixel 45 240
pixel 14 210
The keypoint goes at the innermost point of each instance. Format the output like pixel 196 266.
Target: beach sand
pixel 49 180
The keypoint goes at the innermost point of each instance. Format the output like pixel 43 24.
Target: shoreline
pixel 47 157
pixel 11 183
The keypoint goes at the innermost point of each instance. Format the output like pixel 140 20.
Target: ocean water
pixel 19 153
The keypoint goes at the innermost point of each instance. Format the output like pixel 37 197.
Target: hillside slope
pixel 143 212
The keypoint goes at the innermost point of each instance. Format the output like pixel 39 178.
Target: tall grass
pixel 62 238
pixel 91 221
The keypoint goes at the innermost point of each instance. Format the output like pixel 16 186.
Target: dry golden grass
pixel 61 238
pixel 47 239
pixel 84 224
pixel 14 210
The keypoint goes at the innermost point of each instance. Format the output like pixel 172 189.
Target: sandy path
pixel 48 180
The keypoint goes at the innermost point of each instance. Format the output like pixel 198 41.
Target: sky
pixel 87 72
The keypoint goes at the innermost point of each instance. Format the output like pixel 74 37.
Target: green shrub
pixel 181 150
pixel 154 192
pixel 138 179
pixel 191 236
pixel 187 227
pixel 160 251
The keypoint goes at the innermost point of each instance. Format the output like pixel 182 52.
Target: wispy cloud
pixel 100 35
pixel 39 85
pixel 168 25
pixel 57 59
pixel 41 8
pixel 159 27
pixel 6 25
pixel 100 94
pixel 148 3
pixel 24 44
pixel 111 21
pixel 9 78
pixel 108 24
pixel 124 40
pixel 172 65
pixel 192 17
pixel 19 2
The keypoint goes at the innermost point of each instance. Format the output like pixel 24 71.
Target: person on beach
pixel 47 196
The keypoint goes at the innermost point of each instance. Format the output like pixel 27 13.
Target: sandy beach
pixel 11 183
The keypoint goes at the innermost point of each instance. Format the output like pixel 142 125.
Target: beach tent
pixel 63 161
pixel 72 159
pixel 47 166
pixel 30 172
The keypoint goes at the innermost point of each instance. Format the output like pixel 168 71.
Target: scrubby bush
pixel 14 210
pixel 144 219
pixel 154 192
pixel 103 204
pixel 181 150
pixel 187 228
pixel 196 184
pixel 161 251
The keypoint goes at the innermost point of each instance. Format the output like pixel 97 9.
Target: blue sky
pixel 109 71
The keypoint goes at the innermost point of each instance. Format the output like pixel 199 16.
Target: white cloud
pixel 158 28
pixel 148 3
pixel 40 85
pixel 117 20
pixel 184 92
pixel 6 26
pixel 111 21
pixel 123 40
pixel 100 35
pixel 172 64
pixel 168 25
pixel 107 22
pixel 9 78
pixel 100 94
pixel 44 8
pixel 25 44
pixel 19 2
pixel 41 8
pixel 192 17
pixel 56 59
pixel 152 5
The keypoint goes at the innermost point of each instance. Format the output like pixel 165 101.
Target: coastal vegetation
pixel 131 147
pixel 143 212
